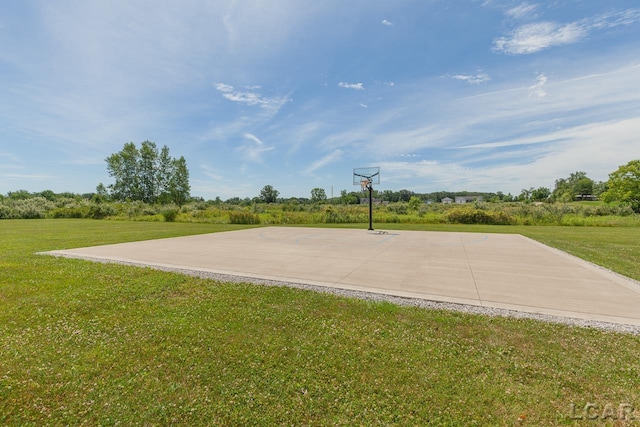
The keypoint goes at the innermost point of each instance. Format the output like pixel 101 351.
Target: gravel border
pixel 371 296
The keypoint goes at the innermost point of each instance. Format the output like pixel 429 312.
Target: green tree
pixel 165 172
pixel 405 195
pixel 414 203
pixel 47 194
pixel 178 183
pixel 583 187
pixel 148 172
pixel 101 194
pixel 148 175
pixel 577 184
pixel 268 194
pixel 19 195
pixel 540 194
pixel 123 166
pixel 318 195
pixel 525 194
pixel 624 185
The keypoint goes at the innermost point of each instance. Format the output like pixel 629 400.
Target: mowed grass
pixel 105 344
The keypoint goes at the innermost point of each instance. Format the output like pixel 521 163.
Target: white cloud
pixel 252 151
pixel 538 161
pixel 471 79
pixel 363 105
pixel 329 158
pixel 250 98
pixel 224 88
pixel 354 86
pixel 537 90
pixel 521 11
pixel 387 23
pixel 532 38
pixel 610 20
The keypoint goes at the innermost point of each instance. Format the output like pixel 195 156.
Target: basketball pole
pixel 370 206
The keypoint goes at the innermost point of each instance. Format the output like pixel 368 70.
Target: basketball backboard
pixel 370 174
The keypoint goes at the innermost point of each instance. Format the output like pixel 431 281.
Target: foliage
pixel 101 210
pixel 540 194
pixel 467 215
pixel 318 195
pixel 302 211
pixel 148 175
pixel 170 214
pixel 624 185
pixel 179 187
pixel 268 194
pixel 243 217
pixel 414 203
pixel 577 184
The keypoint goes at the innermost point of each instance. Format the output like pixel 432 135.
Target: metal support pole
pixel 370 207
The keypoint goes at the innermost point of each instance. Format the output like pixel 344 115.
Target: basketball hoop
pixel 367 178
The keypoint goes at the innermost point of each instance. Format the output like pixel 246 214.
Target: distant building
pixel 447 200
pixel 461 200
pixel 365 201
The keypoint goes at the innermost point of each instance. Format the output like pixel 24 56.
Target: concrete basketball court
pixel 504 271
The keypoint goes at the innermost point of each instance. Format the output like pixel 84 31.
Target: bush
pixel 171 214
pixel 478 216
pixel 6 212
pixel 243 217
pixel 33 208
pixel 101 210
pixel 399 208
pixel 69 212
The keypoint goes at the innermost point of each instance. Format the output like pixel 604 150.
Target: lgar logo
pixel 608 412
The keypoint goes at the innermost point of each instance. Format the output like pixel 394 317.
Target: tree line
pixel 150 175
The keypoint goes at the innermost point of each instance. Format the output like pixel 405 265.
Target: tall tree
pixel 540 194
pixel 624 185
pixel 318 195
pixel 179 187
pixel 576 184
pixel 165 172
pixel 149 172
pixel 148 175
pixel 123 166
pixel 268 194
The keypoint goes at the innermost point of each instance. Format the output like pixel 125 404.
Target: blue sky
pixel 477 95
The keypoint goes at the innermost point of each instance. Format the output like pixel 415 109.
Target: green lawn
pixel 105 344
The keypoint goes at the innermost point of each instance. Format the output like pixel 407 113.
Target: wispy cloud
pixel 615 19
pixel 387 23
pixel 472 79
pixel 354 86
pixel 324 161
pixel 534 37
pixel 537 90
pixel 523 10
pixel 250 98
pixel 539 160
pixel 253 149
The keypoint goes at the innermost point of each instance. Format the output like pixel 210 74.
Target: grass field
pixel 104 344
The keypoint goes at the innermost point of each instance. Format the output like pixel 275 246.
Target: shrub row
pixel 243 217
pixel 467 215
pixel 401 212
